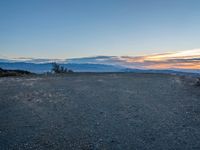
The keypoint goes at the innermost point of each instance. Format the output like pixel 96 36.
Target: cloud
pixel 189 59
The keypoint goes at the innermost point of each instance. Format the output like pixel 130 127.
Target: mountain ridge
pixel 87 67
pixel 85 64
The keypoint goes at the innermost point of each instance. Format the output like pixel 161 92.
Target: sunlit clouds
pixel 188 59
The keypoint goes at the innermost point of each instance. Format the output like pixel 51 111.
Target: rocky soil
pixel 122 111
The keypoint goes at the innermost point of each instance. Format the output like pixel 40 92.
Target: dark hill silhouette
pixel 6 73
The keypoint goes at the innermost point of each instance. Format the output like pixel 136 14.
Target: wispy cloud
pixel 188 59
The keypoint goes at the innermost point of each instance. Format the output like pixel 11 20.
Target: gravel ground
pixel 99 111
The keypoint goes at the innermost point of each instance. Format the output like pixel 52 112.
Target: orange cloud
pixel 189 59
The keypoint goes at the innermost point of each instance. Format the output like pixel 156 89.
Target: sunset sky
pixel 144 33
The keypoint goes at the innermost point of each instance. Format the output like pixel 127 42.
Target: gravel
pixel 91 111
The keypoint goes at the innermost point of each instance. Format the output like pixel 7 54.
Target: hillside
pixel 6 73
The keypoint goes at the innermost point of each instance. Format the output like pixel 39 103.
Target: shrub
pixel 70 71
pixel 56 68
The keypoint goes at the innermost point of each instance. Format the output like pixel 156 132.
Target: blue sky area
pixel 79 28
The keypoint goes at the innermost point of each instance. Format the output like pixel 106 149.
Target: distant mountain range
pixel 46 67
pixel 89 64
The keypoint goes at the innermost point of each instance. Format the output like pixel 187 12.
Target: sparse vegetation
pixel 56 68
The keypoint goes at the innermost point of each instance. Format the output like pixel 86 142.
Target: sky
pixel 83 28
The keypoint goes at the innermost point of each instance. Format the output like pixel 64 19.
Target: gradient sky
pixel 79 28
